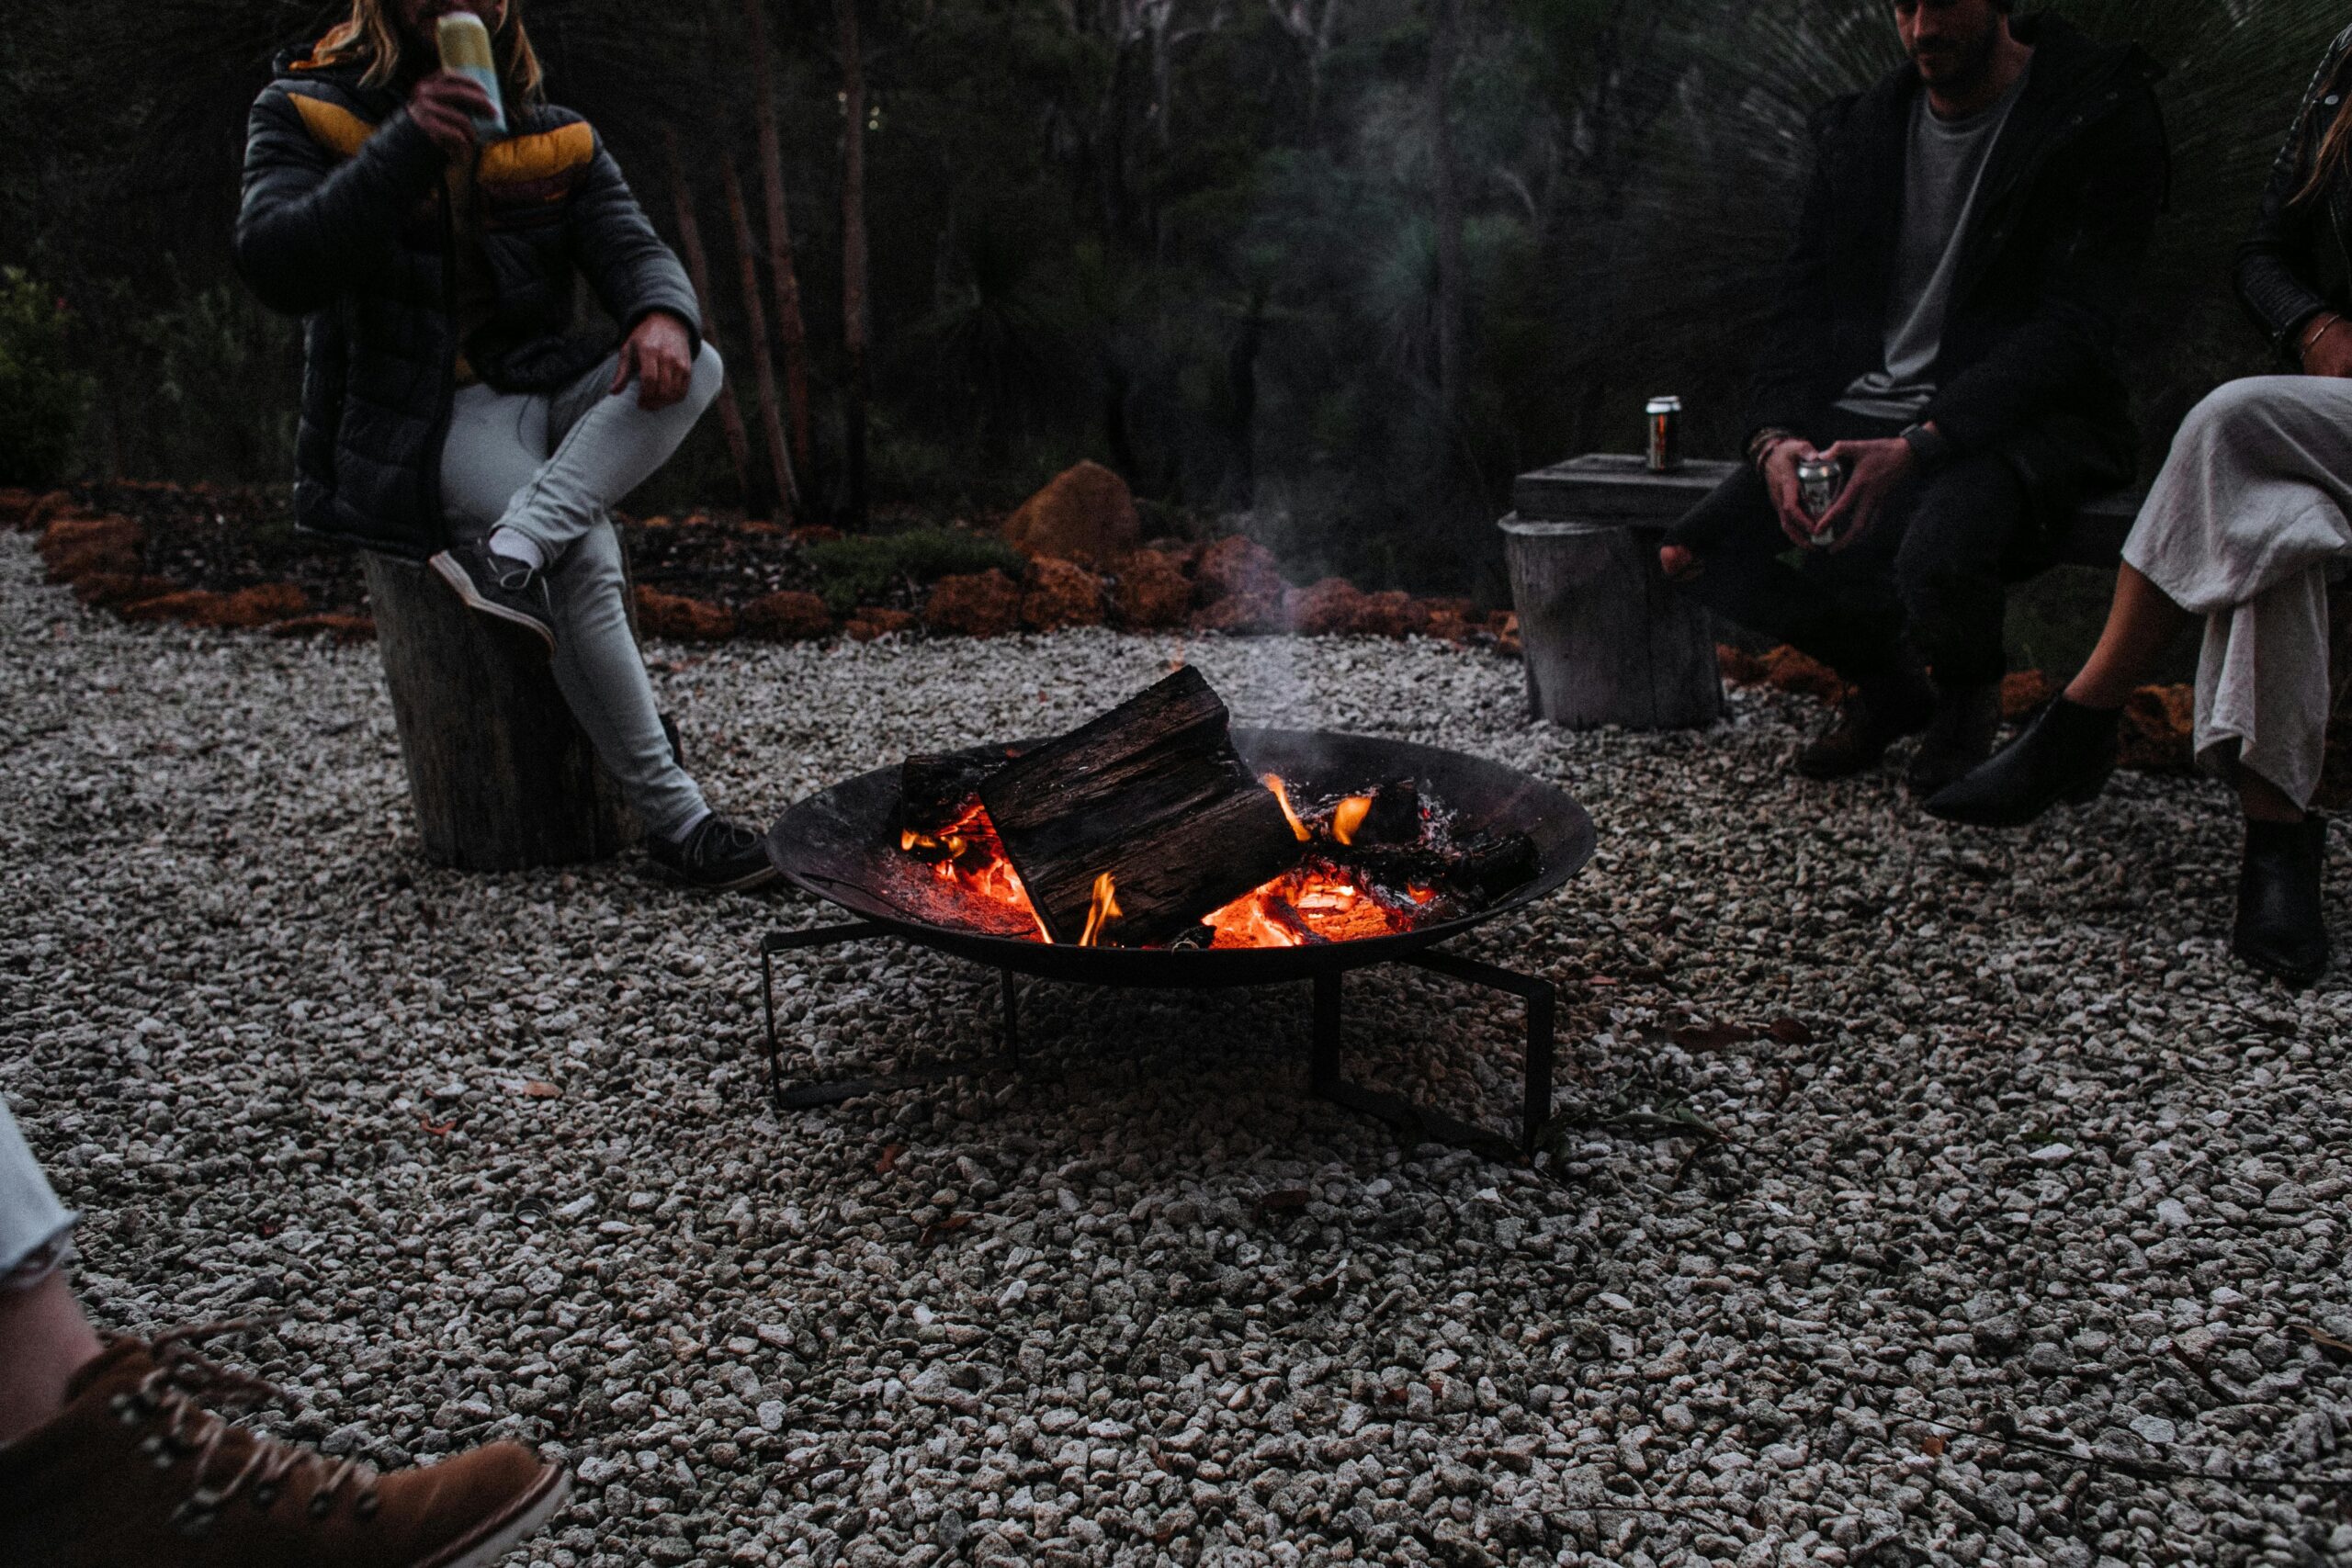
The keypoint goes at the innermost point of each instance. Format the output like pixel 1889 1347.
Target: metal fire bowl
pixel 843 846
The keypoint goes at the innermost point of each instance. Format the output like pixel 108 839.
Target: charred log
pixel 936 791
pixel 1151 794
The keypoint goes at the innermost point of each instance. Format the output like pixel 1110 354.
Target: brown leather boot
pixel 134 1474
pixel 1880 713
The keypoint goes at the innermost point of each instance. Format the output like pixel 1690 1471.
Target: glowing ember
pixel 1105 910
pixel 968 857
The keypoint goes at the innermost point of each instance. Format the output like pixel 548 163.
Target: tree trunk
pixel 730 413
pixel 854 257
pixel 783 269
pixel 763 370
pixel 499 774
pixel 1445 19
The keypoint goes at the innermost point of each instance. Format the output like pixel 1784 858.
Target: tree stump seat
pixel 500 774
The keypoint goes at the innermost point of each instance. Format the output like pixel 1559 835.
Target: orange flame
pixel 1348 815
pixel 1314 901
pixel 1282 794
pixel 1105 910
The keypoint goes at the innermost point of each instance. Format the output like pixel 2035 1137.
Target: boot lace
pixel 166 1398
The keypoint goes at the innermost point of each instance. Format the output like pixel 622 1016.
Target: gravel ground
pixel 1928 1197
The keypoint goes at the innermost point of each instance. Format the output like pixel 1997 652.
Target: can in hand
pixel 1666 434
pixel 465 51
pixel 1820 480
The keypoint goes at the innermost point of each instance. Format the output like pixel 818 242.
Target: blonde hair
pixel 369 34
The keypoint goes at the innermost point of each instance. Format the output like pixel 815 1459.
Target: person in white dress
pixel 2245 527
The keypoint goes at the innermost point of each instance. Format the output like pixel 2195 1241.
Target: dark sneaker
pixel 2281 928
pixel 134 1471
pixel 1879 714
pixel 498 586
pixel 1957 738
pixel 2065 754
pixel 720 855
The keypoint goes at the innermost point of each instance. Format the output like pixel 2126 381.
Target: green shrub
pixel 865 567
pixel 43 397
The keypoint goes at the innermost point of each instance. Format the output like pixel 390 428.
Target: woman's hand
pixel 444 105
pixel 658 354
pixel 2327 345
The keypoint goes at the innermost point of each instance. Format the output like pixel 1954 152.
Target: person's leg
pixel 1736 564
pixel 2142 622
pixel 44 1337
pixel 605 445
pixel 602 675
pixel 1947 572
pixel 2255 491
pixel 496 443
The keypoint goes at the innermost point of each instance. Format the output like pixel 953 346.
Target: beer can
pixel 1820 480
pixel 465 50
pixel 1666 434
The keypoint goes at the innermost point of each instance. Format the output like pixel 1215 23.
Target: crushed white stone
pixel 2048 1166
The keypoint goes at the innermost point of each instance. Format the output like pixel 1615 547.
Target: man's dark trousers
pixel 1933 567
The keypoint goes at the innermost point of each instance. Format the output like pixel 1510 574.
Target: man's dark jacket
pixel 2053 247
pixel 346 221
pixel 2298 262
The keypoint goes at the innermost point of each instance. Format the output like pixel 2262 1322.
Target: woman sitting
pixel 2248 521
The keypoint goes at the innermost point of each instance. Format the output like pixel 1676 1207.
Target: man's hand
pixel 2327 345
pixel 1788 496
pixel 1874 468
pixel 444 105
pixel 657 355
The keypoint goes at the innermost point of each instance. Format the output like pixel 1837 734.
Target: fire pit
pixel 846 846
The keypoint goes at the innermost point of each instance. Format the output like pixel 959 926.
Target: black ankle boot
pixel 1960 737
pixel 2281 929
pixel 2065 754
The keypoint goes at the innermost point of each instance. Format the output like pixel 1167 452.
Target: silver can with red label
pixel 1819 482
pixel 1666 434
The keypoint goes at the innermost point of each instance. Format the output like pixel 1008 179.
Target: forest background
pixel 1336 268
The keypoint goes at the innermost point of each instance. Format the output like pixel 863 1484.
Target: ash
pixel 1897 1166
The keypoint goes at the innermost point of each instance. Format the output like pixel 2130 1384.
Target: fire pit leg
pixel 1543 1008
pixel 1323 1066
pixel 793 941
pixel 1012 1017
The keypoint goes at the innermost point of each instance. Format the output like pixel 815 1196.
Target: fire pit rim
pixel 807 846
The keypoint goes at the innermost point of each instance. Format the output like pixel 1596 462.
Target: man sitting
pixel 1945 334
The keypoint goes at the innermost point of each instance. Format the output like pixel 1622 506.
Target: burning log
pixel 934 792
pixel 1153 795
pixel 1475 872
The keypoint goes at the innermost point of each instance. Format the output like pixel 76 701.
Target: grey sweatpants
pixel 552 467
pixel 2249 520
pixel 36 1230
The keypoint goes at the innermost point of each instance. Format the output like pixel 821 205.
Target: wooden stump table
pixel 499 774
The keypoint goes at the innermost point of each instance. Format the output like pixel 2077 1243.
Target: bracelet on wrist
pixel 1761 445
pixel 2328 322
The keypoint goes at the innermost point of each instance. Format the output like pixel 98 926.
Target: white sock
pixel 516 544
pixel 683 834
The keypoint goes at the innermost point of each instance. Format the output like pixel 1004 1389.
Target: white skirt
pixel 2248 524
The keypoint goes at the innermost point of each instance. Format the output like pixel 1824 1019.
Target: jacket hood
pixel 298 63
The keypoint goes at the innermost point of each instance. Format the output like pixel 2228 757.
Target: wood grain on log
pixel 1153 794
pixel 1608 639
pixel 499 774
